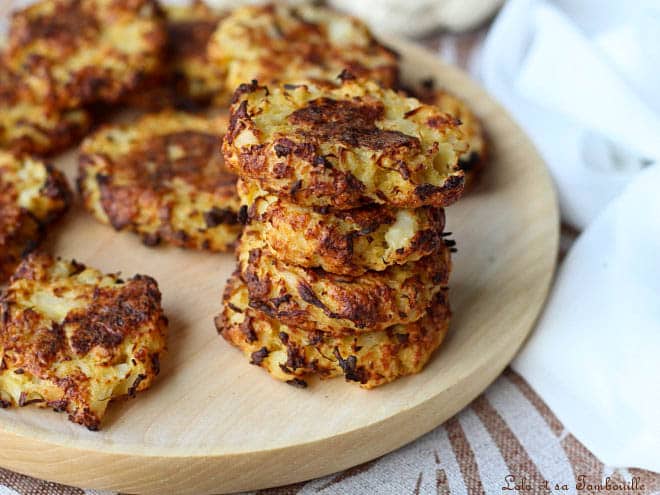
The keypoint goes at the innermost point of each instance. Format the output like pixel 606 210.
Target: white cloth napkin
pixel 595 355
pixel 582 77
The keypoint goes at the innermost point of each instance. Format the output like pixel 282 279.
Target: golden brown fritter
pixel 187 79
pixel 73 339
pixel 305 297
pixel 27 126
pixel 20 233
pixel 291 44
pixel 189 30
pixel 473 160
pixel 32 195
pixel 347 242
pixel 344 146
pixel 78 51
pixel 164 178
pixel 290 354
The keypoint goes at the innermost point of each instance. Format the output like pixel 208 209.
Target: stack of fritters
pixel 343 264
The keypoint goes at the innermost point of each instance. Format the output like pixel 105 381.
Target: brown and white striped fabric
pixel 506 432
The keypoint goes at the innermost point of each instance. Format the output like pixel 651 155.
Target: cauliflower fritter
pixel 73 339
pixel 291 44
pixel 338 304
pixel 72 52
pixel 290 354
pixel 32 195
pixel 164 178
pixel 27 126
pixel 189 29
pixel 344 146
pixel 474 159
pixel 187 79
pixel 347 242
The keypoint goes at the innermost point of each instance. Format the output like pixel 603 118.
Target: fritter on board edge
pixel 33 194
pixel 73 339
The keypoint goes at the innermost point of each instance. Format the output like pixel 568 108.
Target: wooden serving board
pixel 213 424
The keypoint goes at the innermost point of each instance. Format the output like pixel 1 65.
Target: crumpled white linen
pixel 595 354
pixel 581 76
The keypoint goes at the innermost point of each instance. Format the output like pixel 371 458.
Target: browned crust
pixel 476 158
pixel 187 79
pixel 58 138
pixel 340 304
pixel 20 233
pixel 313 157
pixel 40 45
pixel 140 190
pixel 56 189
pixel 33 345
pixel 186 51
pixel 292 354
pixel 347 242
pixel 279 42
pixel 21 230
pixel 352 123
pixel 38 129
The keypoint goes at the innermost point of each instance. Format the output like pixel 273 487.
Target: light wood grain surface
pixel 214 424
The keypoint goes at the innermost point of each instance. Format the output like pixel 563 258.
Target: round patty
pixel 32 195
pixel 78 51
pixel 345 146
pixel 339 304
pixel 347 242
pixel 30 127
pixel 290 354
pixel 164 178
pixel 474 159
pixel 73 339
pixel 291 44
